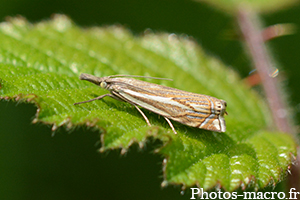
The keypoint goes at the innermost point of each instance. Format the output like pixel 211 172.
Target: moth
pixel 196 110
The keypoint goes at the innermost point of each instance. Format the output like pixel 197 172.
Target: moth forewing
pixel 188 108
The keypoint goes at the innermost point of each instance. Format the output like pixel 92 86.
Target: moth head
pixel 103 84
pixel 94 79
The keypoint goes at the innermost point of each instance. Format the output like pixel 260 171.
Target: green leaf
pixel 232 6
pixel 41 64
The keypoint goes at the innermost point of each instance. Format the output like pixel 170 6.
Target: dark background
pixel 35 165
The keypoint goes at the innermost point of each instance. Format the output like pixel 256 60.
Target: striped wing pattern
pixel 188 108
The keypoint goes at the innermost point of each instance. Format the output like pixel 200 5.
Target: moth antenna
pixel 137 76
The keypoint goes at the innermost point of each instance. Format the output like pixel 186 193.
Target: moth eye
pixel 103 84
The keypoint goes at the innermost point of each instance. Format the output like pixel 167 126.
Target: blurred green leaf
pixel 232 6
pixel 41 63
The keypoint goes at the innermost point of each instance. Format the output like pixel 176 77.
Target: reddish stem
pixel 250 28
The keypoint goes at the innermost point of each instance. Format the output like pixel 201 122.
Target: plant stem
pixel 250 28
pixel 251 31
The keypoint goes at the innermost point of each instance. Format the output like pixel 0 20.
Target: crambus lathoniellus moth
pixel 196 110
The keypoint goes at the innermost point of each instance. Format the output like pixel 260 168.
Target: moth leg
pixel 171 125
pixel 97 98
pixel 145 117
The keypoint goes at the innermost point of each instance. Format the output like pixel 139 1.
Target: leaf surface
pixel 41 63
